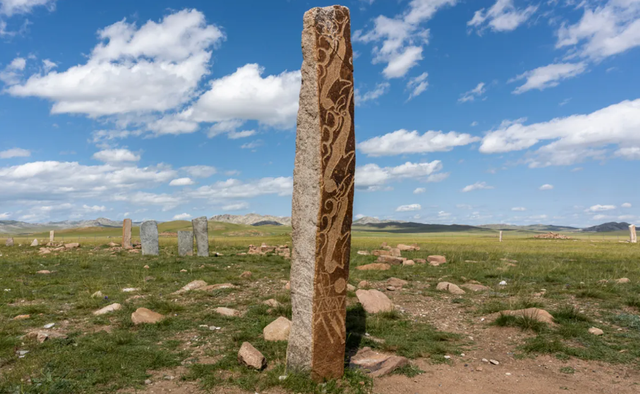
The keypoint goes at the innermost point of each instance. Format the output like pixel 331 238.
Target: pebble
pixel 502 283
pixel 494 362
pixel 50 325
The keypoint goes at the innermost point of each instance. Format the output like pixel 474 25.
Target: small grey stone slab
pixel 201 232
pixel 185 243
pixel 149 238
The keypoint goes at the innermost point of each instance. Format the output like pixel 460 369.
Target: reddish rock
pixel 390 260
pixel 251 357
pixel 374 301
pixel 377 364
pixel 145 316
pixel 374 267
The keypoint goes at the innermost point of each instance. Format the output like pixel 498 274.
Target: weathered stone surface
pixel 322 195
pixel 72 245
pixel 393 260
pixel 633 237
pixel 272 303
pixel 35 242
pixel 251 357
pixel 195 285
pixel 185 243
pixel 277 330
pixel 9 242
pixel 436 260
pixel 374 267
pixel 450 287
pixel 229 312
pixel 149 238
pixel 475 287
pixel 377 364
pixel 374 301
pixel 408 247
pixel 126 233
pixel 52 236
pixel 381 253
pixel 145 316
pixel 108 309
pixel 395 252
pixel 408 263
pixel 397 282
pixel 595 331
pixel 532 313
pixel 201 232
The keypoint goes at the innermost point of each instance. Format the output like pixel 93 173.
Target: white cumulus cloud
pixel 626 205
pixel 371 176
pixel 116 156
pixel 473 94
pixel 417 85
pixel 408 208
pixel 14 152
pixel 182 216
pixel 419 190
pixel 519 209
pixel 236 206
pixel 546 186
pixel 403 141
pixel 548 76
pixel 600 208
pixel 502 16
pixel 476 186
pixel 181 182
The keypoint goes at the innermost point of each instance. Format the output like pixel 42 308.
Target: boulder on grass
pixel 374 301
pixel 377 364
pixel 277 330
pixel 436 260
pixel 450 287
pixel 145 316
pixel 251 357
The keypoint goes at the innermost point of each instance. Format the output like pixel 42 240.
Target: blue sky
pixel 507 111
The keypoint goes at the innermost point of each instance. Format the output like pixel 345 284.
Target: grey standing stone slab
pixel 126 233
pixel 322 204
pixel 149 238
pixel 632 234
pixel 52 236
pixel 185 243
pixel 201 232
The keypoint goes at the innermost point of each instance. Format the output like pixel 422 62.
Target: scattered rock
pixel 374 267
pixel 408 262
pixel 218 286
pixel 72 245
pixel 596 331
pixel 450 287
pixel 195 285
pixel 623 280
pixel 49 325
pixel 391 288
pixel 130 289
pixel 363 252
pixel 183 270
pixel 420 261
pixel 44 272
pixel 475 287
pixel 146 267
pixel 374 301
pixel 363 284
pixel 381 253
pixel 494 362
pixel 97 294
pixel 145 316
pixel 277 330
pixel 272 303
pixel 532 313
pixel 395 252
pixel 396 282
pixel 251 357
pixel 246 275
pixel 108 309
pixel 436 260
pixel 551 235
pixel 42 336
pixel 393 260
pixel 411 247
pixel 287 286
pixel 502 283
pixel 22 317
pixel 227 312
pixel 377 364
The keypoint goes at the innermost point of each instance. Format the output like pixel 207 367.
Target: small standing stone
pixel 126 234
pixel 52 236
pixel 149 238
pixel 201 231
pixel 632 232
pixel 185 243
pixel 500 235
pixel 35 242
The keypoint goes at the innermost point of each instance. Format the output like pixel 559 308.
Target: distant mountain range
pixel 365 223
pixel 16 227
pixel 251 219
pixel 611 226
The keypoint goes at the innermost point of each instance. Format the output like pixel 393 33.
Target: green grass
pixel 92 361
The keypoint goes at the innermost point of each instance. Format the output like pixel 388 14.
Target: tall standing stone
pixel 632 233
pixel 52 236
pixel 185 243
pixel 201 231
pixel 500 235
pixel 323 182
pixel 149 238
pixel 126 234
